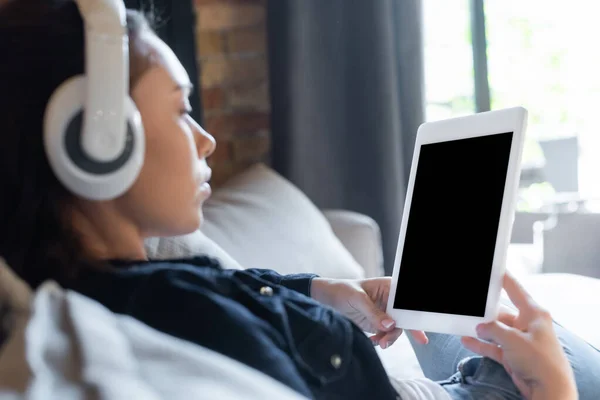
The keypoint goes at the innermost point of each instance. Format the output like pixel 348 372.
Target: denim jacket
pixel 258 317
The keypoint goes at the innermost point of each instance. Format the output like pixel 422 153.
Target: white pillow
pixel 263 221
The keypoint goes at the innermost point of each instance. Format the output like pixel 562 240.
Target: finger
pixel 389 338
pixel 376 317
pixel 420 337
pixel 507 318
pixel 508 308
pixel 498 333
pixel 489 350
pixel 524 387
pixel 376 338
pixel 517 294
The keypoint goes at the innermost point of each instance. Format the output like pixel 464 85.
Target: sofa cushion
pixel 263 221
pixel 360 234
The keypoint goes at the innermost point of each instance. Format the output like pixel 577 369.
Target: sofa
pixel 257 219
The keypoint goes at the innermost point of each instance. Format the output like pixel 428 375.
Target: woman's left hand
pixel 364 302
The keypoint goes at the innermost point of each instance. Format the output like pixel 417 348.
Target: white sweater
pixel 419 389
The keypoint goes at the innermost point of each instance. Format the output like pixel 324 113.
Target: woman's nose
pixel 205 142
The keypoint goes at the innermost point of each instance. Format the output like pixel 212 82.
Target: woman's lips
pixel 202 179
pixel 204 191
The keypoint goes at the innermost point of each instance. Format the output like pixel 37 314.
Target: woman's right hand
pixel 526 345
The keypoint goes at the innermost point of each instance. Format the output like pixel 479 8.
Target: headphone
pixel 93 132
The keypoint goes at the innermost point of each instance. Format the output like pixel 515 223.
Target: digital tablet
pixel 457 222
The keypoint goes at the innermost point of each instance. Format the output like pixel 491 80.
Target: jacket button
pixel 266 291
pixel 336 361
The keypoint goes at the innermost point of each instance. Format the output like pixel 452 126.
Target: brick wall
pixel 231 39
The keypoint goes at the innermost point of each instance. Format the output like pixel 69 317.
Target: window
pixel 449 88
pixel 538 54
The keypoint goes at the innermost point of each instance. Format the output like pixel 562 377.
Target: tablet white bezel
pixel 481 124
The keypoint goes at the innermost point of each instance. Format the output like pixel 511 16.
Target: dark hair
pixel 41 45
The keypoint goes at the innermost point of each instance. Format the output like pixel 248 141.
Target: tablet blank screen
pixel 452 227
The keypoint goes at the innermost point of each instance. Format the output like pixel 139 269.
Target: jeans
pixel 466 375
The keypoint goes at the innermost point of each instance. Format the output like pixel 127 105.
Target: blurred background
pixel 538 54
pixel 330 93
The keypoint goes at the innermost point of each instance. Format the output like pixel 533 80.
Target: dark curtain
pixel 347 99
pixel 174 22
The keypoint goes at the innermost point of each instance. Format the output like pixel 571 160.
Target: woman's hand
pixel 525 343
pixel 364 302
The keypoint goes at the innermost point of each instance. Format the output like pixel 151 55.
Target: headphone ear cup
pixel 82 175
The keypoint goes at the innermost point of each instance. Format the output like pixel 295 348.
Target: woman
pixel 276 324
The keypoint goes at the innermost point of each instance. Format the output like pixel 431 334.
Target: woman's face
pixel 167 197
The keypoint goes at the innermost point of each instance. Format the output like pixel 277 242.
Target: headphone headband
pixel 107 70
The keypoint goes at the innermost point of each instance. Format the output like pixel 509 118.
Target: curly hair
pixel 42 45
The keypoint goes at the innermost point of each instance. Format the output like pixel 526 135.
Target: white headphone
pixel 93 133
